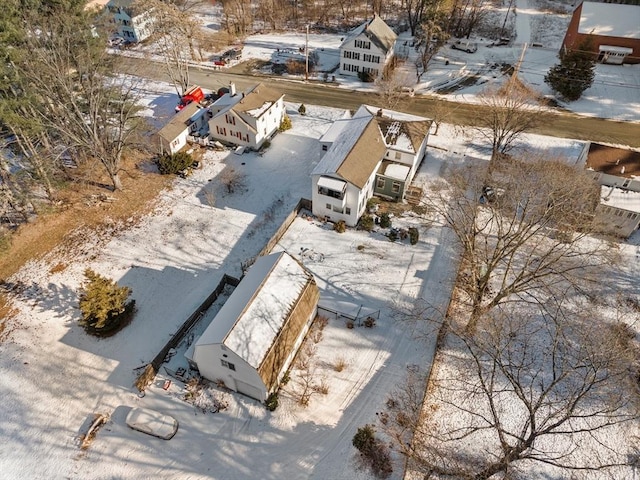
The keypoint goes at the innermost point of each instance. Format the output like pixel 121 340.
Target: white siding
pixel 209 359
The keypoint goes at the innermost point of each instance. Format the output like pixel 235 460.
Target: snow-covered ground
pixel 54 377
pixel 461 76
pixel 615 93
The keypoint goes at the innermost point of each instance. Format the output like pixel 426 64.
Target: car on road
pixel 152 423
pixel 465 46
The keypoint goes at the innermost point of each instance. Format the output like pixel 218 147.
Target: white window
pixel 328 205
pixel 395 187
pixel 347 211
pixel 381 183
pixel 398 155
pixel 337 209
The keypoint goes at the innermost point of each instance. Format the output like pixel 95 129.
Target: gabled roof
pixel 179 122
pixel 613 161
pixel 256 101
pixel 359 143
pixel 404 135
pixel 252 103
pixel 378 32
pixel 251 318
pixel 610 20
pixel 356 152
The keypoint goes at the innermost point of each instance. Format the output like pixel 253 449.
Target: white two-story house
pixel 374 152
pixel 367 48
pixel 248 118
pixel 134 23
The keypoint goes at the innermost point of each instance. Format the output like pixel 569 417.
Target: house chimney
pixel 232 89
pixel 379 112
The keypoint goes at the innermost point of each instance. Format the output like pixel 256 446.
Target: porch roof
pixel 332 184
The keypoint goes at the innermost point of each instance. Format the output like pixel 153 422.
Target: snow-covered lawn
pixel 55 377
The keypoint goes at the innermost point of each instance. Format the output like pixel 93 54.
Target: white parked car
pixel 465 46
pixel 152 423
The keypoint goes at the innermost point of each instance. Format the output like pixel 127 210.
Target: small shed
pixel 254 337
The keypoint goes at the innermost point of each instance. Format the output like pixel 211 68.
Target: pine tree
pixel 104 304
pixel 302 109
pixel 574 74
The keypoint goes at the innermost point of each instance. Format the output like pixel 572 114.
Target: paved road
pixel 561 124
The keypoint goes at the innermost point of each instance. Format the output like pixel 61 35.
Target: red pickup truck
pixel 193 94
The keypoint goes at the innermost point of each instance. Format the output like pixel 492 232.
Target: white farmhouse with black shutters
pixel 133 21
pixel 367 48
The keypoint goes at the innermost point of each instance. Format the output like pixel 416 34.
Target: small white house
pixel 191 120
pixel 367 48
pixel 253 339
pixel 248 118
pixel 133 22
pixel 619 211
pixel 375 152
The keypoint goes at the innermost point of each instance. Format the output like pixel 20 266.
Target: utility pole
pixel 516 68
pixel 306 57
pixel 504 24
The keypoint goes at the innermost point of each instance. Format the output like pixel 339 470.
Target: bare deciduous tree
pixel 83 101
pixel 177 36
pixel 233 180
pixel 527 239
pixel 508 112
pixel 530 389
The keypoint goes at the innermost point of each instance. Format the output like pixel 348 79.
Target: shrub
pixel 366 223
pixel 372 204
pixel 285 378
pixel 296 67
pixel 302 110
pixel 366 77
pixel 385 220
pixel 340 226
pixel 373 452
pixel 393 235
pixel 413 235
pixel 104 305
pixel 369 322
pixel 340 364
pixel 174 164
pixel 285 124
pixel 360 247
pixel 322 388
pixel 350 324
pixel 272 401
pixel 365 439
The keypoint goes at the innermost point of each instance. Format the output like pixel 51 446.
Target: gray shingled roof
pixel 377 31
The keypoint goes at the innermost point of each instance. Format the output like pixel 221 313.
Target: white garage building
pixel 254 337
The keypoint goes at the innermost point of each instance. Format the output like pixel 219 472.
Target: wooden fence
pixel 191 321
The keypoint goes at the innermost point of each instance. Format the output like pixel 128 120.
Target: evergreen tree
pixel 104 304
pixel 574 74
